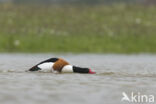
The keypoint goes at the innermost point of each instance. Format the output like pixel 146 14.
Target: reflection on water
pixel 115 74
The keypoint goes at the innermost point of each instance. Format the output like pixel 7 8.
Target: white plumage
pixel 45 67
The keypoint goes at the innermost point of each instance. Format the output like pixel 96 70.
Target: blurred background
pixel 78 26
pixel 111 37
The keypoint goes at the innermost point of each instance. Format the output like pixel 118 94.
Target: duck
pixel 59 65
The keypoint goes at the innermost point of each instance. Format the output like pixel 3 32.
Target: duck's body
pixel 59 65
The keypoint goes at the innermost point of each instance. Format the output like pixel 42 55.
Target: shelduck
pixel 59 65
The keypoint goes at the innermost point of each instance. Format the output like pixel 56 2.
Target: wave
pixel 123 74
pixel 117 74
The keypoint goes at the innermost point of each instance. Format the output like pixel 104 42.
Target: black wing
pixel 35 68
pixel 49 60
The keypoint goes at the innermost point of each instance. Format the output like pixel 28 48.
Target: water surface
pixel 115 74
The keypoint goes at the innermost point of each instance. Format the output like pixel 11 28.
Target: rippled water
pixel 115 74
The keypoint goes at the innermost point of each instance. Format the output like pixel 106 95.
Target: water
pixel 115 74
